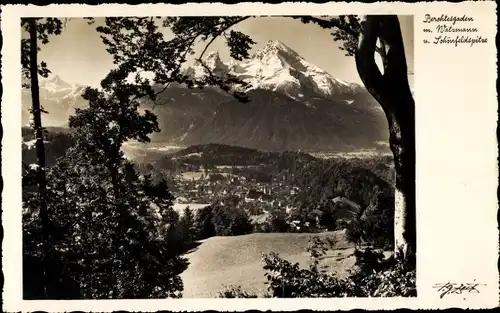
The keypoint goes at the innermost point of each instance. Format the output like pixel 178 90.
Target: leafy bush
pixel 375 277
pixel 275 222
pixel 287 280
pixel 203 223
pixel 221 220
pixel 230 221
pixel 397 280
pixel 230 292
pixel 375 224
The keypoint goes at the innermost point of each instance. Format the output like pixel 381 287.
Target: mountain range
pixel 278 68
pixel 294 105
pixel 57 97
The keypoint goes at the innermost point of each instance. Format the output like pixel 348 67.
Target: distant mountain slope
pixel 57 97
pixel 325 180
pixel 57 141
pixel 218 154
pixel 293 105
pixel 270 121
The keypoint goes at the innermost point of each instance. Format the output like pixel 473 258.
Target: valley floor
pixel 236 261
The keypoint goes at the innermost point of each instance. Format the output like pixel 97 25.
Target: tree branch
pixel 390 34
pixel 331 23
pixel 213 77
pixel 221 31
pixel 365 56
pixel 178 67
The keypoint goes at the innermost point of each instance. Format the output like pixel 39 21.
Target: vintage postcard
pixel 250 156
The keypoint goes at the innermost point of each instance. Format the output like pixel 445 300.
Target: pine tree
pixel 187 225
pixel 203 223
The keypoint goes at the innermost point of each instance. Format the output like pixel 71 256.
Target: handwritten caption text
pixel 452 30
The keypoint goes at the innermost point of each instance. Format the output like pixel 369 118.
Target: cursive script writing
pixel 447 18
pixel 459 40
pixel 452 30
pixel 443 28
pixel 454 288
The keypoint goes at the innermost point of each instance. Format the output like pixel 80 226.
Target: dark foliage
pixel 57 142
pixel 46 27
pixel 230 221
pixel 231 292
pixel 114 232
pixel 375 277
pixel 203 223
pixel 187 226
pixel 218 154
pixel 221 220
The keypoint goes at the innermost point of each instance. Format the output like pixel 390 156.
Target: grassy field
pixel 236 260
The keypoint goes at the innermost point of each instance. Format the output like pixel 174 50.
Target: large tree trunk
pixel 391 89
pixel 113 171
pixel 40 151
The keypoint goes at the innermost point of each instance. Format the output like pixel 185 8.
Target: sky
pixel 78 54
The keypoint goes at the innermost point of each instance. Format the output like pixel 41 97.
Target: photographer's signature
pixel 456 288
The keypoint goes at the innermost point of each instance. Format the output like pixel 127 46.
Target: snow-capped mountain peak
pixel 212 56
pixel 57 80
pixel 278 67
pixel 210 60
pixel 57 96
pixel 56 84
pixel 274 47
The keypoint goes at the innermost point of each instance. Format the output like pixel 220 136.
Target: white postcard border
pixel 456 106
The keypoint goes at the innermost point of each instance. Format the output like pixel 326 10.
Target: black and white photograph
pixel 218 157
pixel 249 156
